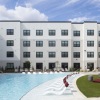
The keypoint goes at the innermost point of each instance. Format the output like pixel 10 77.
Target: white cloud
pixel 22 13
pixel 68 3
pixel 29 3
pixel 34 2
pixel 79 19
pixel 95 2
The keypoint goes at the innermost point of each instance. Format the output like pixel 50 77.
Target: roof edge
pixel 10 21
pixel 49 21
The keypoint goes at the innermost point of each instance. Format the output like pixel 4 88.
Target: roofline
pixel 90 22
pixel 77 22
pixel 49 21
pixel 35 21
pixel 10 21
pixel 45 21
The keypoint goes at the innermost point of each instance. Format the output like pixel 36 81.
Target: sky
pixel 50 10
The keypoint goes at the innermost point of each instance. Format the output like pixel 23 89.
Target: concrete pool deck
pixel 55 89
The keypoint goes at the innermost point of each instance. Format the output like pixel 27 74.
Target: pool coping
pixel 64 97
pixel 38 86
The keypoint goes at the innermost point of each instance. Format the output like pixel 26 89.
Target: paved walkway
pixel 55 89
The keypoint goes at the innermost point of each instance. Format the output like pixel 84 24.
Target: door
pixel 51 66
pixel 76 66
pixel 90 66
pixel 64 65
pixel 39 66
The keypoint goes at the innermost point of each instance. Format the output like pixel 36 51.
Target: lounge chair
pixel 28 73
pixel 94 70
pixel 66 69
pixel 23 73
pixel 39 72
pixel 62 69
pixel 34 72
pixel 51 72
pixel 16 70
pixel 88 70
pixel 21 70
pixel 55 92
pixel 26 70
pixel 31 70
pixel 55 70
pixel 59 88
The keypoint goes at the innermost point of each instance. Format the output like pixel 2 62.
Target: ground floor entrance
pixel 76 66
pixel 9 67
pixel 90 66
pixel 39 66
pixel 51 66
pixel 64 65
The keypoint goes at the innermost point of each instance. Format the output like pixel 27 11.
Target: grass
pixel 88 88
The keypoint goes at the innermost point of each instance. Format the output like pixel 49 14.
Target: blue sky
pixel 50 10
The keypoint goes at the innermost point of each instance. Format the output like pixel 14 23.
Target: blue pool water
pixel 14 86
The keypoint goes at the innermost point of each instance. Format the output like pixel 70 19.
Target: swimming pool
pixel 14 86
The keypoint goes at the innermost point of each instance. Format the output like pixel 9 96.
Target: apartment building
pixel 50 44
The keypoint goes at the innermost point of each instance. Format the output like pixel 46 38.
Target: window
pixel 10 54
pixel 26 54
pixel 90 54
pixel 76 33
pixel 10 65
pixel 64 43
pixel 39 32
pixel 52 43
pixel 90 43
pixel 98 54
pixel 10 31
pixel 90 32
pixel 39 54
pixel 10 43
pixel 99 33
pixel 52 54
pixel 64 32
pixel 52 32
pixel 76 44
pixel 26 32
pixel 26 43
pixel 76 55
pixel 39 43
pixel 99 44
pixel 64 54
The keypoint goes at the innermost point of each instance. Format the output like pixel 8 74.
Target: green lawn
pixel 89 89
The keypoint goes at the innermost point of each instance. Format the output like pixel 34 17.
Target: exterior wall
pixel 46 38
pixel 98 48
pixel 89 26
pixel 18 38
pixel 77 27
pixel 3 41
